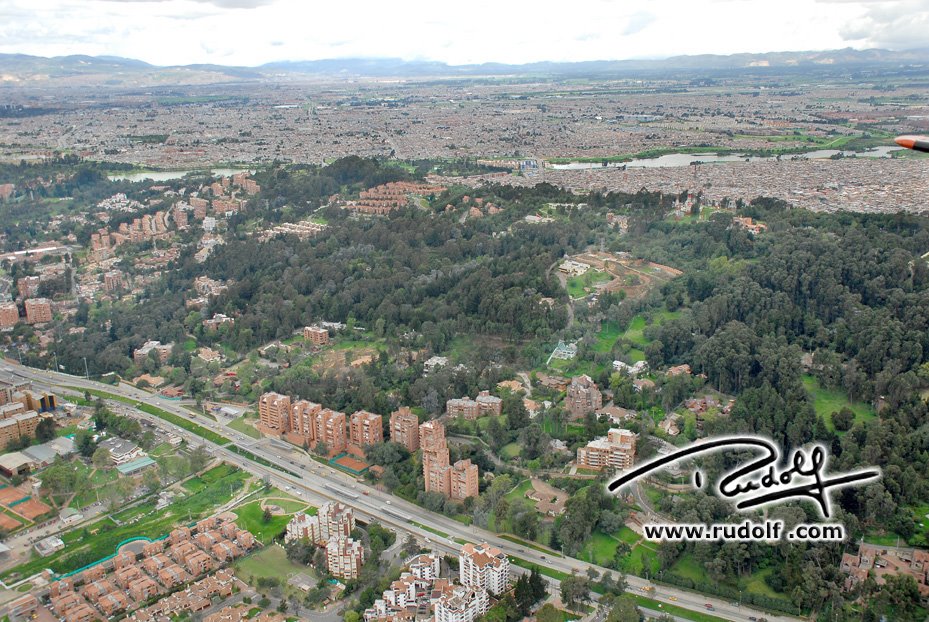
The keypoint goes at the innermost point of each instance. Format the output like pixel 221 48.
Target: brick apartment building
pixel 9 314
pixel 456 481
pixel 366 429
pixel 330 429
pixel 302 428
pixel 303 422
pixel 315 335
pixel 404 428
pixel 38 310
pixel 274 413
pixel 19 425
pixel 484 404
pixel 163 349
pixel 615 451
pixel 583 397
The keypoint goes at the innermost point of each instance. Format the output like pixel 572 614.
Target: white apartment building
pixel 461 604
pixel 485 567
pixel 425 566
pixel 344 557
pixel 333 519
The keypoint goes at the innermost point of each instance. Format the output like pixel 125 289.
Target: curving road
pixel 320 482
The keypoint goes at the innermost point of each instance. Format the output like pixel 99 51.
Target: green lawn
pixel 511 450
pixel 755 584
pixel 609 333
pixel 636 331
pixel 641 557
pixel 580 286
pixel 104 476
pixel 251 518
pixel 627 535
pixel 599 549
pixel 519 492
pixel 688 568
pixel 430 529
pixel 828 401
pixel 270 562
pixel 240 425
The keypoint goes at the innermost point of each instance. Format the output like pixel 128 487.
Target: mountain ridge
pixel 24 68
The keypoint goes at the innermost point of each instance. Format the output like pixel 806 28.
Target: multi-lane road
pixel 315 481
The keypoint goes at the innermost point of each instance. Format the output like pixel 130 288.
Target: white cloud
pixel 253 32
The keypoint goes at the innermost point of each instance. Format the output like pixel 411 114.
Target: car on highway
pixel 710 607
pixel 672 597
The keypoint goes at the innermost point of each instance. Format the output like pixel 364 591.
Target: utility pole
pixel 86 374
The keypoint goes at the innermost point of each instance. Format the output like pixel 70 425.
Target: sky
pixel 253 32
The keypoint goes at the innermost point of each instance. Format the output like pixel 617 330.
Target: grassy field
pixel 511 450
pixel 609 333
pixel 240 425
pixel 627 535
pixel 828 401
pixel 251 518
pixel 519 492
pixel 583 285
pixel 599 549
pixel 641 557
pixel 688 568
pixel 270 562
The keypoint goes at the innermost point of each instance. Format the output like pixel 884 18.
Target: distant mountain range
pixel 24 70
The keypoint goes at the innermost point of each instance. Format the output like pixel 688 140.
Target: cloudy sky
pixel 252 32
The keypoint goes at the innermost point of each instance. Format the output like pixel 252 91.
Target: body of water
pixel 169 175
pixel 685 159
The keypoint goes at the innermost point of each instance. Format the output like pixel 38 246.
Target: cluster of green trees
pixel 529 589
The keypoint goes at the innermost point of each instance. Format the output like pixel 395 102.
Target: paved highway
pixel 319 481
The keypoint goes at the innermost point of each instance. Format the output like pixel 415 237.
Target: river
pixel 686 159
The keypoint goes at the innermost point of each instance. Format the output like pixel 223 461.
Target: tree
pixel 46 429
pixel 575 590
pixel 538 584
pixel 548 613
pixel 85 443
pixel 199 458
pixel 517 417
pixel 843 419
pixel 319 562
pixel 410 546
pixel 624 610
pixel 101 457
pixel 151 480
pixel 525 599
pixel 266 516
